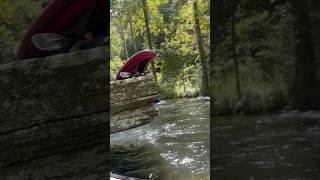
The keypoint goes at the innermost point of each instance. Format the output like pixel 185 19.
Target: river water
pixel 283 146
pixel 174 146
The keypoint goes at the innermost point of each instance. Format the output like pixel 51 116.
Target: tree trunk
pixel 234 53
pixel 120 30
pixel 131 30
pixel 205 79
pixel 305 66
pixel 146 22
pixel 213 42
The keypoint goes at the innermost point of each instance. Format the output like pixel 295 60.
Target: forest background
pixel 179 32
pixel 265 56
pixel 265 53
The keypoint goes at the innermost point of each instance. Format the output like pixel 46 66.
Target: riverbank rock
pixel 54 117
pixel 132 102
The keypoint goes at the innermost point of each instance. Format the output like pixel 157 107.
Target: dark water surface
pixel 174 146
pixel 285 146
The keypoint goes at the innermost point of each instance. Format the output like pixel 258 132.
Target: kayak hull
pixel 137 63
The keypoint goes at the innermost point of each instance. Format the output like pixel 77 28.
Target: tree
pixel 233 47
pixel 203 58
pixel 305 66
pixel 123 38
pixel 131 29
pixel 146 21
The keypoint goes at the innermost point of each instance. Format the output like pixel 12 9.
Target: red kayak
pixel 68 18
pixel 137 64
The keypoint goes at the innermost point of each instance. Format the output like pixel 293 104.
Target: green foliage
pixel 173 34
pixel 15 18
pixel 265 50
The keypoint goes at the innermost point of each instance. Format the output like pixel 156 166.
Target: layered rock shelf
pixel 132 102
pixel 54 116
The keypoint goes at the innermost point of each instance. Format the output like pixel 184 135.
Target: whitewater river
pixel 174 146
